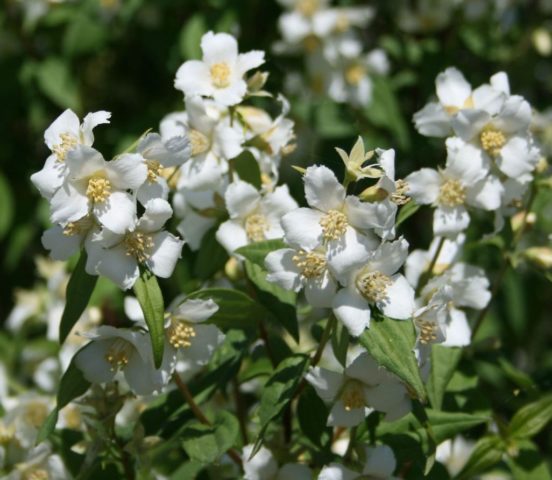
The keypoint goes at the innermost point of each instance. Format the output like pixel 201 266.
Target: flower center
pixel 307 7
pixel 118 354
pixel 452 193
pixel 68 142
pixel 311 43
pixel 353 395
pixel 180 333
pixel 73 417
pixel 342 24
pixel 199 142
pixel 427 331
pixel 334 224
pixel 220 74
pixel 35 413
pixel 80 226
pixel 6 434
pixel 154 169
pixel 99 189
pixel 138 245
pixel 354 74
pixel 373 286
pixel 492 140
pixel 312 264
pixel 399 196
pixel 255 227
pixel 36 474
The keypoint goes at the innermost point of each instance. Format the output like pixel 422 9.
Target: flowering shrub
pixel 218 303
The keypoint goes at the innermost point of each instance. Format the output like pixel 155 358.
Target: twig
pixel 240 410
pixel 425 277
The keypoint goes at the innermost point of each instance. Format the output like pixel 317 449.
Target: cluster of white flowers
pixel 491 153
pixel 337 64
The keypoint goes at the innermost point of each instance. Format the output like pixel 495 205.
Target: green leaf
pixel 340 343
pixel 6 206
pixel 211 256
pixel 488 452
pixel 83 35
pixel 149 296
pixel 258 276
pixel 390 342
pixel 56 82
pixel 528 463
pixel 247 167
pixel 515 375
pixel 190 37
pixel 310 409
pixel 48 426
pixel 257 252
pixel 443 365
pixel 78 293
pixel 236 309
pixel 407 211
pixel 330 122
pixel 278 391
pixel 531 419
pixel 206 443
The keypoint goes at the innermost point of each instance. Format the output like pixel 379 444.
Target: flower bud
pixel 539 256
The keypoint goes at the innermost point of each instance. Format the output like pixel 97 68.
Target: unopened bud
pixel 542 41
pixel 542 165
pixel 301 170
pixel 233 269
pixel 539 256
pixel 257 81
pixel 373 194
pixel 522 219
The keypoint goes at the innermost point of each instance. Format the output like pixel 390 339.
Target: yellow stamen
pixel 138 245
pixel 99 189
pixel 452 193
pixel 78 227
pixel 399 197
pixel 180 333
pixel 428 331
pixel 373 285
pixel 308 7
pixel 35 413
pixel 334 224
pixel 220 75
pixel 35 474
pixel 312 264
pixel 354 74
pixel 353 395
pixel 255 227
pixel 68 141
pixel 492 140
pixel 119 354
pixel 154 170
pixel 200 143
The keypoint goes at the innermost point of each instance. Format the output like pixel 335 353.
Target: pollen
pixel 154 170
pixel 199 142
pixel 354 74
pixel 180 333
pixel 68 142
pixel 78 227
pixel 138 245
pixel 308 7
pixel 427 331
pixel 7 434
pixel 334 224
pixel 99 189
pixel 35 474
pixel 312 264
pixel 373 285
pixel 256 226
pixel 220 74
pixel 353 395
pixel 118 354
pixel 398 197
pixel 452 193
pixel 35 413
pixel 492 140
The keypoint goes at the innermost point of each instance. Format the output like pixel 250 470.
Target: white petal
pixel 119 267
pixel 517 157
pixel 50 178
pixel 68 205
pixel 500 82
pixel 458 330
pixel 232 94
pixel 231 235
pixel 282 270
pixel 352 310
pixel 193 228
pixel 320 292
pixel 488 98
pixel 449 221
pixel 141 376
pixel 133 310
pixel 465 162
pixel 262 466
pixel 127 171
pixel 432 121
pixel 117 213
pixel 91 121
pixel 335 471
pixel 322 190
pixel 157 213
pixel 302 228
pixel 227 141
pixel 468 124
pixel 84 161
pixel 241 199
pixel 218 47
pixel 152 190
pixel 326 383
pixel 195 310
pixel 365 369
pixel 68 123
pixel 399 303
pixel 61 246
pixel 250 60
pixel 166 252
pixel 452 88
pixel 486 193
pixel 278 203
pixel 389 257
pixel 350 250
pixel 91 360
pixel 423 185
pixel 515 116
pixel 193 78
pixel 380 462
pixel 203 345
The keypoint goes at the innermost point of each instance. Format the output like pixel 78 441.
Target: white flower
pixel 220 74
pixel 430 321
pixel 379 465
pixel 40 463
pixel 362 387
pixel 253 217
pixel 26 413
pixel 157 155
pixel 374 281
pixel 454 453
pixel 113 350
pixel 100 188
pixel 65 241
pixel 119 256
pixel 342 223
pixel 456 96
pixel 464 181
pixel 263 466
pixel 213 139
pixel 62 136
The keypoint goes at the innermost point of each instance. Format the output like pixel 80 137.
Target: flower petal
pixel 117 213
pixel 326 383
pixel 399 303
pixel 282 270
pixel 450 221
pixel 127 171
pixel 423 185
pixel 231 235
pixel 61 246
pixel 119 267
pixel 196 310
pixel 156 214
pixel 452 88
pixel 352 310
pixel 219 47
pixel 241 199
pixel 302 228
pixel 166 252
pixel 193 78
pixel 322 190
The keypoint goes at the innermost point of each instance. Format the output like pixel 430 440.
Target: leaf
pixel 531 419
pixel 515 375
pixel 257 252
pixel 340 343
pixel 278 392
pixel 57 83
pixel 78 293
pixel 6 206
pixel 190 37
pixel 236 309
pixel 390 342
pixel 486 453
pixel 211 256
pixel 528 463
pixel 149 296
pixel 206 443
pixel 406 212
pixel 310 409
pixel 247 167
pixel 48 427
pixel 83 35
pixel 443 365
pixel 330 122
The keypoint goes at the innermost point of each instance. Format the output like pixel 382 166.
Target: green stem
pixel 426 276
